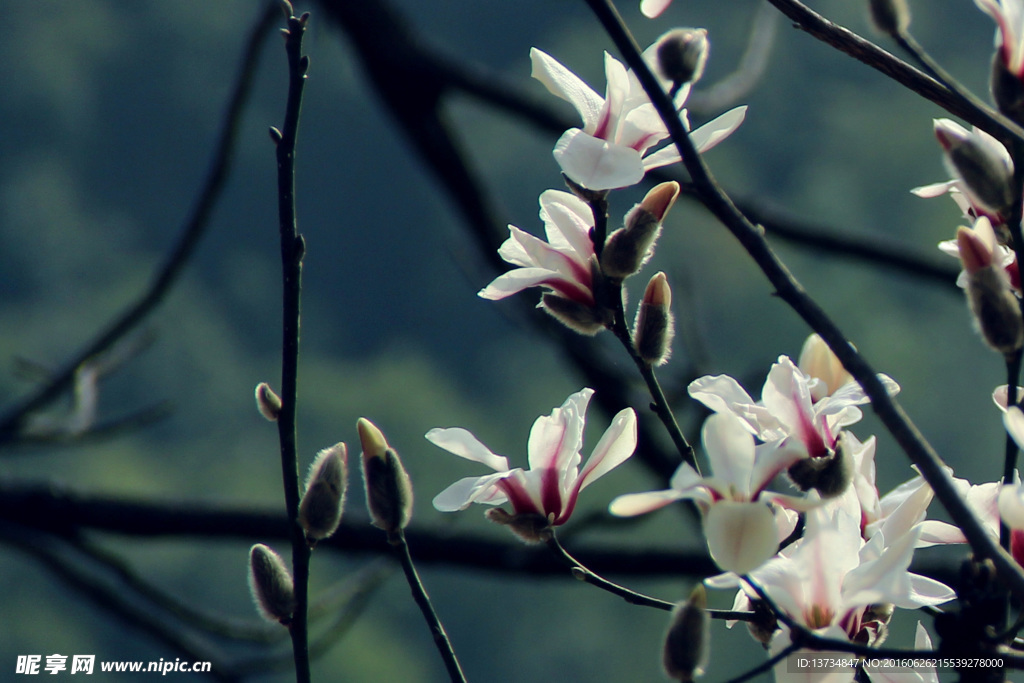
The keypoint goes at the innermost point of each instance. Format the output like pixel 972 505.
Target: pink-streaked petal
pixel 542 254
pixel 557 437
pixel 653 8
pixel 633 504
pixel 616 445
pixel 597 164
pixel 563 83
pixel 771 460
pixel 463 444
pixel 741 536
pixel 515 281
pixel 615 96
pixel 462 493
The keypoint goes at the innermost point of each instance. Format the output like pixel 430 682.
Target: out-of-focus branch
pixel 12 421
pixel 48 508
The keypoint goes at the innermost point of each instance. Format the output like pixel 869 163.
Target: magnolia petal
pixel 1011 506
pixel 934 190
pixel 597 164
pixel 463 444
pixel 741 536
pixel 730 450
pixel 718 129
pixel 462 493
pixel 563 83
pixel 615 447
pixel 567 221
pixel 633 504
pixel 1013 418
pixel 556 438
pixel 925 592
pixel 515 281
pixel 934 532
pixel 652 8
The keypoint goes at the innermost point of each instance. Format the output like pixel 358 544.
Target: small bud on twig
pixel 322 503
pixel 388 488
pixel 628 248
pixel 980 161
pixel 686 644
pixel 891 17
pixel 267 402
pixel 654 328
pixel 682 54
pixel 271 584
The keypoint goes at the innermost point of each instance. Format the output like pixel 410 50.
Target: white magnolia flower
pixel 614 147
pixel 787 414
pixel 741 526
pixel 550 487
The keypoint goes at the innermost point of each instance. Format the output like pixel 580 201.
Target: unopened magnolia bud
pixel 271 585
pixel 996 310
pixel 817 361
pixel 628 248
pixel 689 634
pixel 980 162
pixel 891 17
pixel 530 528
pixel 267 402
pixel 1007 89
pixel 654 327
pixel 388 488
pixel 829 475
pixel 682 54
pixel 582 318
pixel 322 503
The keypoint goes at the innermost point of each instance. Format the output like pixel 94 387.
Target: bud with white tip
pixel 689 633
pixel 388 487
pixel 271 584
pixel 322 503
pixel 995 308
pixel 267 402
pixel 891 17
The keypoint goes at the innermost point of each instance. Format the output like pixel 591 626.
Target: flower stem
pixel 291 260
pixel 419 594
pixel 583 574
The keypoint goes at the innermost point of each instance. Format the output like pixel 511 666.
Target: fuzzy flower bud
pixel 995 308
pixel 829 475
pixel 891 17
pixel 530 528
pixel 689 634
pixel 271 584
pixel 682 54
pixel 267 402
pixel 322 503
pixel 1007 90
pixel 388 488
pixel 628 248
pixel 980 161
pixel 654 327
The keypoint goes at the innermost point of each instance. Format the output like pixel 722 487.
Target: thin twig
pixel 292 249
pixel 584 574
pixel 167 276
pixel 419 594
pixel 789 290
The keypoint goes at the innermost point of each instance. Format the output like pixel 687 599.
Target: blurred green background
pixel 109 113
